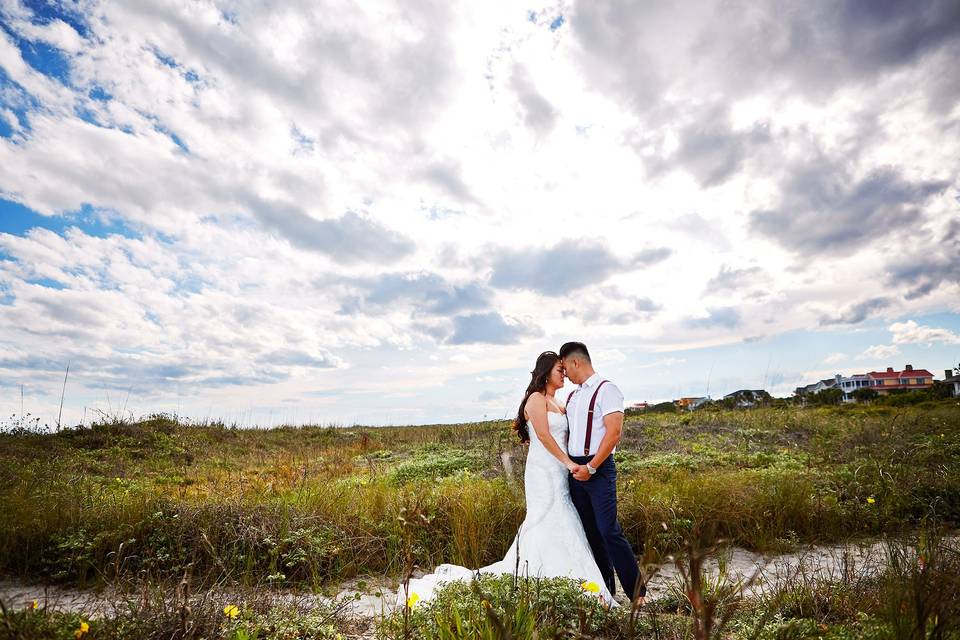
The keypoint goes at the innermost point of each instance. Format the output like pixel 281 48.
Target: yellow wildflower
pixel 871 500
pixel 592 587
pixel 84 628
pixel 231 611
pixel 34 604
pixel 412 600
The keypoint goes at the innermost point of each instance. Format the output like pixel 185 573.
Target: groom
pixel 595 415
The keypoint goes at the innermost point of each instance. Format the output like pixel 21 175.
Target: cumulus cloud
pixel 822 46
pixel 350 238
pixel 611 306
pixel 857 312
pixel 490 328
pixel 493 396
pixel 447 175
pixel 710 148
pixel 538 114
pixel 566 266
pixel 744 49
pixel 646 305
pixel 717 318
pixel 880 351
pixel 730 279
pixel 427 292
pixel 126 312
pixel 922 274
pixel 824 209
pixel 910 332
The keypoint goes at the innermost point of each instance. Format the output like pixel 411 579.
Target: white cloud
pixel 610 356
pixel 835 358
pixel 910 332
pixel 660 362
pixel 880 351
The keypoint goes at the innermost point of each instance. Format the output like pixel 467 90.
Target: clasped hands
pixel 579 471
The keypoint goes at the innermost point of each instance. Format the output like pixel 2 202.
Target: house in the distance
pixel 883 382
pixel 640 406
pixel 747 397
pixel 952 379
pixel 817 387
pixel 692 402
pixel 849 384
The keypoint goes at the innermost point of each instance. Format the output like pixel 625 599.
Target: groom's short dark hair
pixel 571 348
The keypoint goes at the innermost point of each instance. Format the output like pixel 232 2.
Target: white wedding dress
pixel 551 541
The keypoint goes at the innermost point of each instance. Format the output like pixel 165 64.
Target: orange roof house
pixel 885 381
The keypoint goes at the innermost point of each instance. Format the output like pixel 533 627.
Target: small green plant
pixel 505 606
pixel 437 462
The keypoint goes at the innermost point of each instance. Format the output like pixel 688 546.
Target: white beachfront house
pixel 849 384
pixel 953 379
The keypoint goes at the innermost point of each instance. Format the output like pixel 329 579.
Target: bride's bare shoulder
pixel 535 400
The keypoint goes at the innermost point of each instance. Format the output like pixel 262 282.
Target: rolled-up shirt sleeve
pixel 612 399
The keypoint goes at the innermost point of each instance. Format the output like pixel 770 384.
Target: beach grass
pixel 311 506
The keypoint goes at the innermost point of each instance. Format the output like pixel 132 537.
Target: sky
pixel 381 213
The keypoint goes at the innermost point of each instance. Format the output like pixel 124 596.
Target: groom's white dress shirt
pixel 609 400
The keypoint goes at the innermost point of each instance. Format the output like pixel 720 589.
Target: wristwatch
pixel 590 469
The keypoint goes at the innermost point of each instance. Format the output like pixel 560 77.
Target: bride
pixel 551 541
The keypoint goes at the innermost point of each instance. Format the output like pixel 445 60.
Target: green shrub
pixel 489 605
pixel 437 462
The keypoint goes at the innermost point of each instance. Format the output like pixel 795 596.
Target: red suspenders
pixel 593 402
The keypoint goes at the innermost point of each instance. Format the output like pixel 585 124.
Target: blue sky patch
pixel 174 137
pixel 86 115
pixel 159 127
pixel 46 59
pixel 90 116
pixel 168 61
pixel 17 219
pixel 17 100
pixel 46 12
pixel 304 143
pixel 557 23
pixel 48 283
pixel 99 94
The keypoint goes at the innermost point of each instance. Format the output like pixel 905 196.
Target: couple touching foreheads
pixel 570 480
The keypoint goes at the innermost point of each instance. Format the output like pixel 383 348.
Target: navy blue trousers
pixel 596 502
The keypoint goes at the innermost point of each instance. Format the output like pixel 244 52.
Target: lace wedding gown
pixel 551 541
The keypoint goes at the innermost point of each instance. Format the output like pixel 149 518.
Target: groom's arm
pixel 613 425
pixel 611 404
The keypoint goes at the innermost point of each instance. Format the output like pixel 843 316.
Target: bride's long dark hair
pixel 538 382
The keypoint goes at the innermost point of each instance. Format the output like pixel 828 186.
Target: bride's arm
pixel 537 412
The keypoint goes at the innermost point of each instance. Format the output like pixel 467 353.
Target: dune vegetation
pixel 309 507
